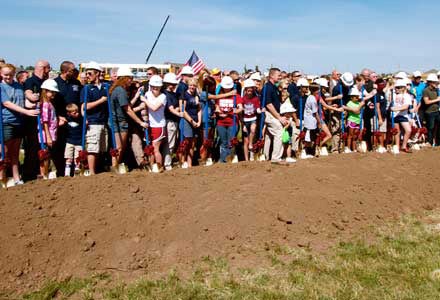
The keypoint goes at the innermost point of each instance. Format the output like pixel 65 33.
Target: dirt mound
pixel 147 224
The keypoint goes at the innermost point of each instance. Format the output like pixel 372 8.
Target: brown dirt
pixel 141 223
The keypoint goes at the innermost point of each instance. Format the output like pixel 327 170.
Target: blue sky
pixel 312 36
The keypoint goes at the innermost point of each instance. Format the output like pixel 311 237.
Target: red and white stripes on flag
pixel 195 63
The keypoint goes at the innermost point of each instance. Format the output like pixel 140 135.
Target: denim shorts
pixel 120 127
pixel 248 127
pixel 400 119
pixel 11 131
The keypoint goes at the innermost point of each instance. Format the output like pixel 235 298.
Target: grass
pixel 399 265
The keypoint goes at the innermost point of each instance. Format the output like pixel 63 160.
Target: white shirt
pixel 399 101
pixel 156 118
pixel 310 108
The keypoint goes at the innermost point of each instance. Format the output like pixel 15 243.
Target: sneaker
pixel 290 160
pixel 185 165
pixel 19 182
pixel 251 156
pixel 168 168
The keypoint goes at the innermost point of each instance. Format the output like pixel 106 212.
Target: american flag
pixel 195 62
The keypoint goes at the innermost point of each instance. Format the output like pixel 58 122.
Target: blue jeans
pixel 225 133
pixel 432 120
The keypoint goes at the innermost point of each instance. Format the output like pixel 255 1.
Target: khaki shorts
pixel 382 128
pixel 72 151
pixel 96 139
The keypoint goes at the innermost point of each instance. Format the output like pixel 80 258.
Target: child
pixel 251 107
pixel 354 117
pixel 155 101
pixel 73 138
pixel 381 108
pixel 48 122
pixel 400 108
pixel 312 120
pixel 287 110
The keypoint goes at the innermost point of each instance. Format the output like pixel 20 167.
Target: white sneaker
pixel 347 150
pixel 185 165
pixel 235 159
pixel 324 151
pixel 168 168
pixel 251 156
pixel 309 156
pixel 52 175
pixel 209 162
pixel 155 168
pixel 290 160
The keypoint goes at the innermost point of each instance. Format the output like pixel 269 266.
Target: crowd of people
pixel 80 124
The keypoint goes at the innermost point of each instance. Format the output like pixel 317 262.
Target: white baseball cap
pixel 156 81
pixel 170 78
pixel 124 71
pixel 227 82
pixel 187 70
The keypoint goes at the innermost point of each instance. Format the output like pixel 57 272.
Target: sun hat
pixel 215 71
pixel 347 79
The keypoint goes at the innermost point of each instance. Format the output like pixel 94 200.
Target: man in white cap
pixel 340 92
pixel 97 115
pixel 187 73
pixel 417 88
pixel 432 115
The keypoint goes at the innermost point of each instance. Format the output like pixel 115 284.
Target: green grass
pixel 398 265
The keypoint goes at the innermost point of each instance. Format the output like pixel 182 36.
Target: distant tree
pixel 245 69
pixel 29 68
pixel 257 69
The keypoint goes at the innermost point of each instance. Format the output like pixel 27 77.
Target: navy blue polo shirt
pixel 181 90
pixel 99 114
pixel 171 101
pixel 296 104
pixel 33 84
pixel 293 92
pixel 272 96
pixel 345 91
pixel 69 93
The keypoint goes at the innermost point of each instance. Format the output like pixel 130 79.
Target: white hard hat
pixel 227 82
pixel 321 81
pixel 249 83
pixel 93 65
pixel 286 107
pixel 155 80
pixel 347 79
pixel 401 82
pixel 302 82
pixel 354 92
pixel 50 85
pixel 170 78
pixel 256 76
pixel 401 75
pixel 124 71
pixel 432 77
pixel 187 70
pixel 438 73
pixel 417 74
pixel 311 77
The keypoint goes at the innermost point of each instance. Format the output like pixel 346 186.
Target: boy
pixel 73 141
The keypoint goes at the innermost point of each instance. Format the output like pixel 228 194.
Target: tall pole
pixel 157 39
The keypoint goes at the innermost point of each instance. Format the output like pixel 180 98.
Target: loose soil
pixel 148 224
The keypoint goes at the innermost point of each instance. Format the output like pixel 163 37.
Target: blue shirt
pixel 293 92
pixel 418 89
pixel 12 93
pixel 69 93
pixel 74 130
pixel 181 90
pixel 171 101
pixel 299 102
pixel 99 114
pixel 337 92
pixel 191 107
pixel 272 96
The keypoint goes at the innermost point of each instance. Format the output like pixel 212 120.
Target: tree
pixel 257 69
pixel 30 68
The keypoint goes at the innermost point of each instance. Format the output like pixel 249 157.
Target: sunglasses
pixel 90 73
pixel 150 74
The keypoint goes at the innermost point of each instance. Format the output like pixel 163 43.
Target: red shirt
pixel 226 106
pixel 250 107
